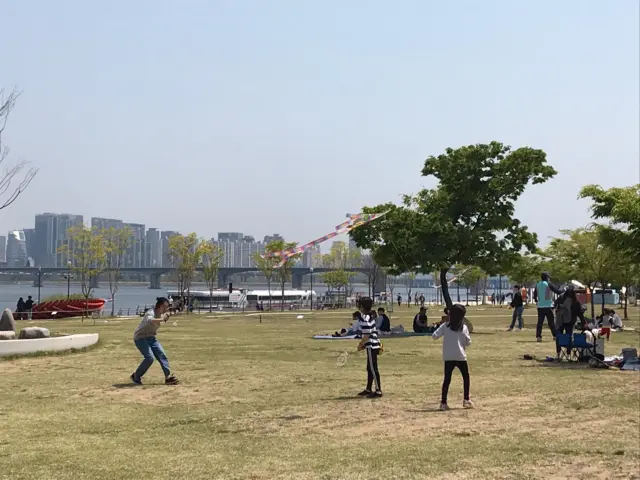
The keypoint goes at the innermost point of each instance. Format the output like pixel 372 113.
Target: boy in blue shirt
pixel 543 296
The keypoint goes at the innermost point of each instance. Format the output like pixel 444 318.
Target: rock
pixel 7 335
pixel 7 323
pixel 33 332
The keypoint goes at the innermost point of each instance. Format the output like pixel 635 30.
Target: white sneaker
pixel 468 404
pixel 444 406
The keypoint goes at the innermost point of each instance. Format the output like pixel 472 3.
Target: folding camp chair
pixel 563 340
pixel 582 348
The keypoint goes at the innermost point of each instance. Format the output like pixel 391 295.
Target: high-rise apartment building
pixel 51 233
pixel 153 257
pixel 135 254
pixel 312 257
pixel 164 240
pixel 16 249
pixel 106 223
pixel 30 239
pixel 272 238
pixel 3 249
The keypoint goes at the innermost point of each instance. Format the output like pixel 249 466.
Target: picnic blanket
pixel 393 335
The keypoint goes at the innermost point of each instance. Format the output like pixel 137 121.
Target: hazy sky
pixel 282 115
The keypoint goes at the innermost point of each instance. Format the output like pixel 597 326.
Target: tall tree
pixel 621 207
pixel 372 271
pixel 410 278
pixel 626 274
pixel 285 266
pixel 15 178
pixel 87 253
pixel 211 256
pixel 525 270
pixel 338 260
pixel 116 243
pixel 468 218
pixel 471 277
pixel 268 264
pixel 186 253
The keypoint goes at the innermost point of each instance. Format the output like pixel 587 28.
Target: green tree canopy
pixel 621 207
pixel 467 218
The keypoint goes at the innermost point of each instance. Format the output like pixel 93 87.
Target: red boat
pixel 67 308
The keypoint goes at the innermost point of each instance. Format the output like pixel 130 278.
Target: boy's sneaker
pixel 376 394
pixel 365 393
pixel 468 404
pixel 134 380
pixel 171 380
pixel 444 407
pixel 539 339
pixel 509 329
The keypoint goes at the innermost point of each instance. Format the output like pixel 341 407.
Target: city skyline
pixel 41 245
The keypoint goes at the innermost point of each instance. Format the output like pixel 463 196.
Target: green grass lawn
pixel 265 401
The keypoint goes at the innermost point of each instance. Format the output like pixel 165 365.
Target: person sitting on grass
pixel 420 323
pixel 383 323
pixel 456 340
pixel 145 340
pixel 352 329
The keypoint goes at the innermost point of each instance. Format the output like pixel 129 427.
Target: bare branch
pixel 14 179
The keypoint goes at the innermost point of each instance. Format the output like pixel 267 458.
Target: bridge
pixel 155 273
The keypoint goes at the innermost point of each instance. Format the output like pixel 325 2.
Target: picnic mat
pixel 393 335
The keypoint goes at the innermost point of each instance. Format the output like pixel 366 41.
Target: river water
pixel 134 296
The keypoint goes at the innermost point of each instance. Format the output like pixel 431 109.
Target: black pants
pixel 449 366
pixel 372 369
pixel 548 314
pixel 565 328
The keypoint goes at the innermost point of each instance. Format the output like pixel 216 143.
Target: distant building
pixel 164 240
pixel 3 249
pixel 272 238
pixel 230 237
pixel 153 257
pixel 106 223
pixel 16 249
pixel 51 233
pixel 30 238
pixel 135 253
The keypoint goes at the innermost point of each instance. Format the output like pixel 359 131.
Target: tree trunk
pixel 210 299
pixel 458 291
pixel 282 296
pixel 269 288
pixel 626 296
pixel 467 296
pixel 593 307
pixel 113 304
pixel 445 287
pixel 602 284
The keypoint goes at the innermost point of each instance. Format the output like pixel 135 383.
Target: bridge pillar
pixel 223 280
pixel 296 281
pixel 37 280
pixel 154 281
pixel 95 282
pixel 380 284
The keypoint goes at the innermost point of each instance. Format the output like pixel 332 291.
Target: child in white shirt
pixel 456 340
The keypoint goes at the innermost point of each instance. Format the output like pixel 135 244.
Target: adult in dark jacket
pixel 383 321
pixel 518 307
pixel 420 324
pixel 568 311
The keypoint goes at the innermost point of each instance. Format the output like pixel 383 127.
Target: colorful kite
pixel 354 221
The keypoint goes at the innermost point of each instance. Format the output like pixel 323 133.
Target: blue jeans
pixel 149 348
pixel 517 313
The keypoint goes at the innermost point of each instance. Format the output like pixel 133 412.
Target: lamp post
pixel 39 282
pixel 311 269
pixel 68 279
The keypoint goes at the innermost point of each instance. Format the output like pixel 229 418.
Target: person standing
pixel 456 340
pixel 28 306
pixel 543 296
pixel 371 343
pixel 20 309
pixel 399 300
pixel 518 307
pixel 149 346
pixel 568 312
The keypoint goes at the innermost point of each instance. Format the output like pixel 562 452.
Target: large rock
pixel 7 323
pixel 7 335
pixel 33 332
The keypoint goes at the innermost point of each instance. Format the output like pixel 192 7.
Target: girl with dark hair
pixel 568 311
pixel 371 343
pixel 456 340
pixel 145 340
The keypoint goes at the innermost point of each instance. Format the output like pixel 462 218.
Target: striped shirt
pixel 367 326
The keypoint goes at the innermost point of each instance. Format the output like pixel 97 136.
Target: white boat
pixel 240 298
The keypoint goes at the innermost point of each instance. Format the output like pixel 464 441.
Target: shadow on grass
pixel 427 410
pixel 126 385
pixel 483 333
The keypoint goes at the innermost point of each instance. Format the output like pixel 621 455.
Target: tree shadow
pixel 126 385
pixel 483 333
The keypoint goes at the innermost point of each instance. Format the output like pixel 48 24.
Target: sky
pixel 283 116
